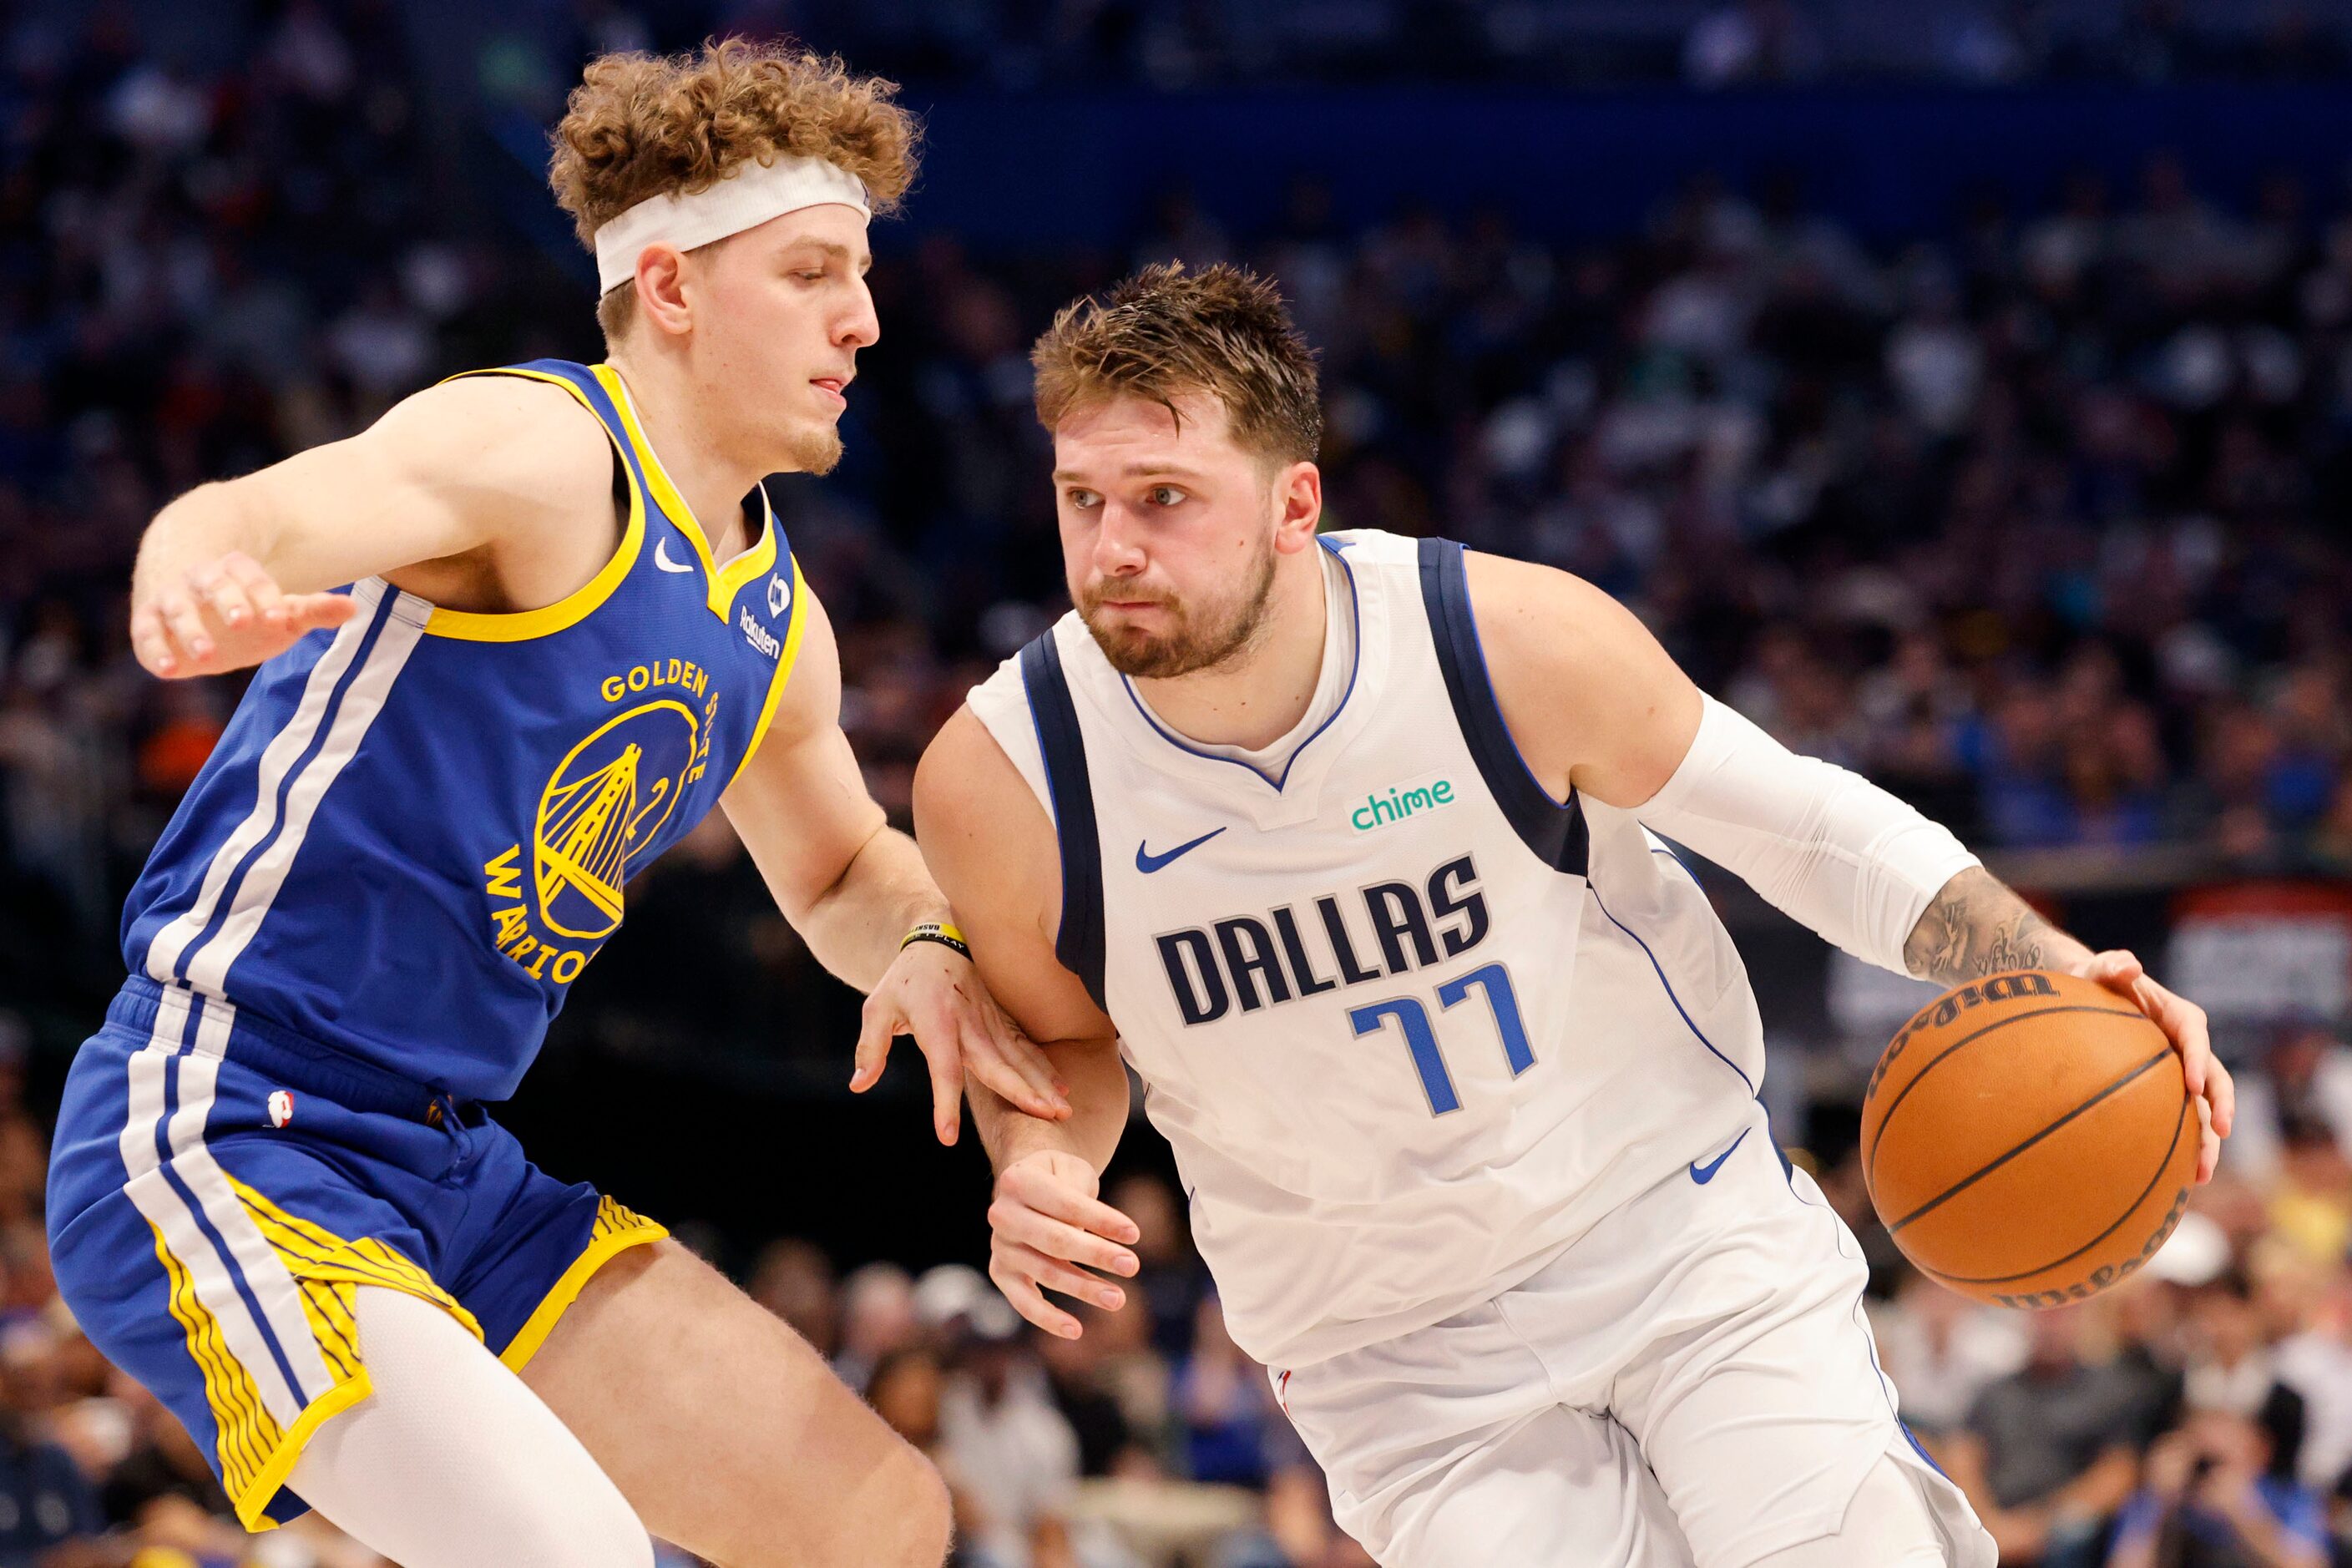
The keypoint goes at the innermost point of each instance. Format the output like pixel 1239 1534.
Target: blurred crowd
pixel 1175 45
pixel 2038 521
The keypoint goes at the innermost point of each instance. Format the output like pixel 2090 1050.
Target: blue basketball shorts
pixel 220 1188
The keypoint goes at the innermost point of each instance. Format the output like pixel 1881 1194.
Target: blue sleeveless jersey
pixel 416 831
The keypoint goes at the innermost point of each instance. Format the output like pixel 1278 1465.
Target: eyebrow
pixel 1134 471
pixel 829 247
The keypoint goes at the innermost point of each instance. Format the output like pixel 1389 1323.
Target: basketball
pixel 2028 1140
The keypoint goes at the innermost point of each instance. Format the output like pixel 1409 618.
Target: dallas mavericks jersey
pixel 416 831
pixel 1411 1025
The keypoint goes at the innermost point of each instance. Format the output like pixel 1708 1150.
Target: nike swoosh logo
pixel 662 560
pixel 1147 862
pixel 1705 1173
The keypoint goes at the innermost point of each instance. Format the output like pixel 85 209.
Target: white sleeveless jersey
pixel 1411 1025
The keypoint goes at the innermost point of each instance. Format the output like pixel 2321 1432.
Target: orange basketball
pixel 2027 1139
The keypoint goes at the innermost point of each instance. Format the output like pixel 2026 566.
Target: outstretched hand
pixel 226 615
pixel 2183 1023
pixel 934 993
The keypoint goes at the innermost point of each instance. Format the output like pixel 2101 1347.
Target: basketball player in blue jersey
pixel 512 643
pixel 1345 843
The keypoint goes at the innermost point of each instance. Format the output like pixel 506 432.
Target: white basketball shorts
pixel 1690 1383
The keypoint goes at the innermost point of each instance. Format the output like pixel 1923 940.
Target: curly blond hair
pixel 1164 332
pixel 645 125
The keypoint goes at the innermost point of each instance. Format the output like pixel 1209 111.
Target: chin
pixel 1140 656
pixel 812 449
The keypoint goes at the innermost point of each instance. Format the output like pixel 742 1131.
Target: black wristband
pixel 945 935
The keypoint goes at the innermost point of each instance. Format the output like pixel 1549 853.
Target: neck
pixel 691 439
pixel 1260 693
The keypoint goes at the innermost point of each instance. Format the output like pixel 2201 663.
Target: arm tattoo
pixel 1977 926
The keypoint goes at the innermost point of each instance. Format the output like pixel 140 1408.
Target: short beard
pixel 1190 647
pixel 815 451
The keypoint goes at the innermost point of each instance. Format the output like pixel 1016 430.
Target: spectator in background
pixel 163 1491
pixel 2309 1313
pixel 2049 1451
pixel 1079 1374
pixel 793 1279
pixel 878 1317
pixel 2231 1369
pixel 46 1502
pixel 2214 1500
pixel 1226 1404
pixel 2310 1201
pixel 1170 1279
pixel 2306 1075
pixel 2332 835
pixel 1000 1434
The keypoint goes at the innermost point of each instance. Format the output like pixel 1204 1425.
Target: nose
pixel 860 327
pixel 1118 543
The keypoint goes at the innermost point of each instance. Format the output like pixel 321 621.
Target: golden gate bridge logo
pixel 603 809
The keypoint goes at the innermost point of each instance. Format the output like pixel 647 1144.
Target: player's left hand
pixel 2183 1023
pixel 934 993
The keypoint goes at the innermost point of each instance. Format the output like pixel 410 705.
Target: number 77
pixel 1421 1038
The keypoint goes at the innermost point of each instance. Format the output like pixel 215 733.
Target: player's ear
pixel 1298 488
pixel 661 291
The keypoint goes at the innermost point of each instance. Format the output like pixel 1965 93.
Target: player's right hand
pixel 1046 1223
pixel 224 615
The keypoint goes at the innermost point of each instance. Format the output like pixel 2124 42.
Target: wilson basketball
pixel 2028 1140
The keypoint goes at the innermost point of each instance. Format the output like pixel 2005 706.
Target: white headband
pixel 747 198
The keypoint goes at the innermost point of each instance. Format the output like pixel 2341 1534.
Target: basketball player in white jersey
pixel 1351 845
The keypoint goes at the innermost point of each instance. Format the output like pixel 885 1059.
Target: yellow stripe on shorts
pixel 329 1268
pixel 618 1228
pixel 256 1454
pixel 249 1437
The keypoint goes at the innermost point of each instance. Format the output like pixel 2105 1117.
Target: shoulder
pixel 1589 697
pixel 965 774
pixel 498 436
pixel 1541 616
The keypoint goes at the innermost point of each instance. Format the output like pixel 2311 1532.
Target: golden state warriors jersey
pixel 416 831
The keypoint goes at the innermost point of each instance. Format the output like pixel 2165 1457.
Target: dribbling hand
pixel 2183 1023
pixel 1047 1229
pixel 226 615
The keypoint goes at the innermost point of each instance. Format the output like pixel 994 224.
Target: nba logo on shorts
pixel 281 1107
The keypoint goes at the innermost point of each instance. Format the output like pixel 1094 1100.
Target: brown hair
pixel 647 125
pixel 1222 330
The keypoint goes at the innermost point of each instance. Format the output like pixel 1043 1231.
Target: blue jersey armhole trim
pixel 1078 940
pixel 1355 667
pixel 1555 830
